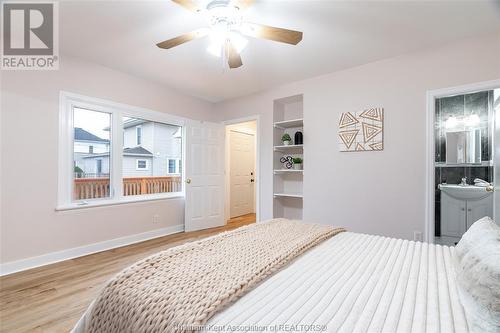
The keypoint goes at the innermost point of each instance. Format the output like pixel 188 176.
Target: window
pixel 141 164
pixel 171 166
pixel 91 178
pixel 174 166
pixel 145 167
pixel 99 167
pixel 103 137
pixel 138 135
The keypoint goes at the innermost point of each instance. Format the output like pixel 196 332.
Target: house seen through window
pixel 91 151
pixel 150 156
pixel 147 145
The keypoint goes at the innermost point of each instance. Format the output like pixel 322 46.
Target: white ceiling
pixel 337 35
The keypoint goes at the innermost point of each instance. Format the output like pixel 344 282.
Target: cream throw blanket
pixel 179 289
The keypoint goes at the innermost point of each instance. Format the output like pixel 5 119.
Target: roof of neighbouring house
pixel 137 151
pixel 83 135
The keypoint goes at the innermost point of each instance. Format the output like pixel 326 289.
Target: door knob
pixel 188 181
pixel 252 180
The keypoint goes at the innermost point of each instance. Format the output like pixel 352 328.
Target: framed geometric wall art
pixel 362 131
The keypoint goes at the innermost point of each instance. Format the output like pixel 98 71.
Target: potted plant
pixel 297 163
pixel 286 139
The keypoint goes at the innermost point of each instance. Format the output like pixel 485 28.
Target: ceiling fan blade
pixel 233 57
pixel 272 33
pixel 243 4
pixel 169 43
pixel 188 4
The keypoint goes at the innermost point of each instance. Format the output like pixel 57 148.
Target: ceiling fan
pixel 227 30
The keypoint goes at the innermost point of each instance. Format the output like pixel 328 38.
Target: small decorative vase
pixel 298 138
pixel 287 143
pixel 297 166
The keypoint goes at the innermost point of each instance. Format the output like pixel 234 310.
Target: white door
pixel 242 173
pixel 204 206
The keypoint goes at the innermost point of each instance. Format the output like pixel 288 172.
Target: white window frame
pixel 67 102
pixel 177 166
pixel 146 168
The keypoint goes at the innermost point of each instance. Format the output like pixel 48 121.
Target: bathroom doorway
pixel 461 172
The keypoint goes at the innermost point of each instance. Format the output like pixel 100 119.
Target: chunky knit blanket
pixel 179 289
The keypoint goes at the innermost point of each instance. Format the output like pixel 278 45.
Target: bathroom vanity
pixel 462 205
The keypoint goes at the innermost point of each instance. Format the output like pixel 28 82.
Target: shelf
pixel 284 171
pixel 288 195
pixel 289 123
pixel 482 164
pixel 289 147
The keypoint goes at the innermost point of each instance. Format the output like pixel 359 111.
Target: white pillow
pixel 477 266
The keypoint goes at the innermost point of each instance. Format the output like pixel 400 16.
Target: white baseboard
pixel 50 258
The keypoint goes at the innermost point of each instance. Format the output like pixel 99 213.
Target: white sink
pixel 466 192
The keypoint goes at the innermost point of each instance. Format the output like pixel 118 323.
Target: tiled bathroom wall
pixel 461 106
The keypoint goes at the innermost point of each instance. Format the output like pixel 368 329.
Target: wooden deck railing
pixel 92 188
pixel 150 185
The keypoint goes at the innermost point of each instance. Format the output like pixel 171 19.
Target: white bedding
pixel 353 283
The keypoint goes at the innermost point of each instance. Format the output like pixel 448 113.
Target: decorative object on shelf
pixel 287 161
pixel 298 138
pixel 286 139
pixel 297 163
pixel 363 131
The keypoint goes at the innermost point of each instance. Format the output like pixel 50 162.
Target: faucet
pixel 464 181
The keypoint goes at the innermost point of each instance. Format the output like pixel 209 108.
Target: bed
pixel 354 282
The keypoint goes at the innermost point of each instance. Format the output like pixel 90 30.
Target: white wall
pixel 371 192
pixel 29 224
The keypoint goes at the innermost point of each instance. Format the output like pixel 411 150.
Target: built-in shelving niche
pixel 287 183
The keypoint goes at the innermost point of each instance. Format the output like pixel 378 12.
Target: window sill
pixel 121 201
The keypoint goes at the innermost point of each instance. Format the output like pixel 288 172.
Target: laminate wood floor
pixel 52 298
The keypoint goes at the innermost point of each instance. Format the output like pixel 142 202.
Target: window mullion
pixel 117 154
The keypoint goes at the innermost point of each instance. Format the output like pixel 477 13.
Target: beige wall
pixel 371 192
pixel 29 224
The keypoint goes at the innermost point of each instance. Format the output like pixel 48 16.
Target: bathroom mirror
pixel 463 147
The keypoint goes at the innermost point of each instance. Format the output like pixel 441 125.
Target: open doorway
pixel 463 130
pixel 241 172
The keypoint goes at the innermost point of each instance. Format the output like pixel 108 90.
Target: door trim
pixel 255 118
pixel 429 151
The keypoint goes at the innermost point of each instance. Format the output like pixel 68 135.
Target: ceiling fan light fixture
pixel 216 47
pixel 228 29
pixel 238 41
pixel 222 11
